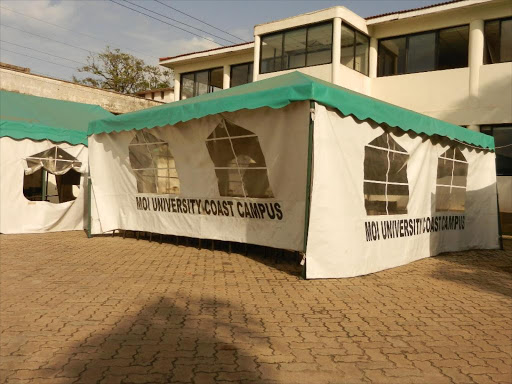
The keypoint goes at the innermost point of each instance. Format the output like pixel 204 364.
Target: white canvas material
pixel 338 242
pixel 276 220
pixel 17 213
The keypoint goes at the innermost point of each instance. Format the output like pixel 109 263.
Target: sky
pixel 40 34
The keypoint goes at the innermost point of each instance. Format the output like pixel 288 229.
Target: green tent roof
pixel 279 91
pixel 38 118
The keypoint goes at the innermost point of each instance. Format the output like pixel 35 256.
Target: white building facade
pixel 451 61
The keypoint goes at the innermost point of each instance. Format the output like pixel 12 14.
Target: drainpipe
pixel 177 86
pixel 476 56
pixel 256 64
pixel 226 76
pixel 336 51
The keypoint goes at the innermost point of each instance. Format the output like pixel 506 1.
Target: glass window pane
pixel 398 198
pixel 271 52
pixel 347 46
pixel 320 44
pixel 240 74
pixel 392 56
pixel 453 48
pixel 502 137
pixel 201 85
pixel 421 53
pixel 248 152
pixel 294 55
pixel 362 50
pixel 506 41
pixel 216 76
pixel 374 198
pixel 221 153
pixel 187 86
pixel 492 38
pixel 375 164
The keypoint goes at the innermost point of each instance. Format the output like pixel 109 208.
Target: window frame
pixel 355 30
pixel 209 70
pixel 283 32
pixel 249 63
pixel 451 185
pixel 500 20
pixel 436 49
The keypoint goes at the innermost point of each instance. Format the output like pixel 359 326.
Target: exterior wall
pixel 62 90
pixel 168 96
pixel 323 72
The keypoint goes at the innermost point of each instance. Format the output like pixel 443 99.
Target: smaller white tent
pixel 43 163
pixel 292 162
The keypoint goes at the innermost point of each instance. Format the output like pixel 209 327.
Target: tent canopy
pixel 280 91
pixel 39 118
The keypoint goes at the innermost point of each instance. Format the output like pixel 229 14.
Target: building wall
pixel 168 96
pixel 62 90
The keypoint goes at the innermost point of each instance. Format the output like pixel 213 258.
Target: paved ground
pixel 110 310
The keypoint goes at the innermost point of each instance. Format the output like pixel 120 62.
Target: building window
pixel 354 49
pixel 386 190
pixel 503 140
pixel 498 41
pixel 201 82
pixel 241 74
pixel 52 175
pixel 162 94
pixel 452 175
pixel 296 48
pixel 427 51
pixel 239 162
pixel 153 165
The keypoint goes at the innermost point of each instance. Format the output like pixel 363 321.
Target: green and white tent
pixel 43 157
pixel 293 162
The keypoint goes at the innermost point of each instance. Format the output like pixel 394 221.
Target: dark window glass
pixel 296 48
pixel 271 53
pixel 435 50
pixel 453 48
pixel 392 57
pixel 503 140
pixel 354 49
pixel 201 82
pixel 361 53
pixel 347 46
pixel 319 44
pixel 498 41
pixel 421 53
pixel 241 74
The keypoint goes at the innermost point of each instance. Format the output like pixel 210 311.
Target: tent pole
pixel 89 203
pixel 308 182
pixel 43 182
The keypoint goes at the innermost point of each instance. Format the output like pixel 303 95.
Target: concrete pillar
pixel 226 77
pixel 177 77
pixel 256 65
pixel 476 55
pixel 336 51
pixel 374 43
pixel 474 127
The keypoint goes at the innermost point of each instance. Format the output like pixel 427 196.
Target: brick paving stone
pixel 112 310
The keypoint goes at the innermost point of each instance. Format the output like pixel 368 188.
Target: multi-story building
pixel 452 61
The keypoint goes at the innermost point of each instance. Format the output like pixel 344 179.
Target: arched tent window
pixel 153 164
pixel 452 175
pixel 386 190
pixel 239 162
pixel 52 175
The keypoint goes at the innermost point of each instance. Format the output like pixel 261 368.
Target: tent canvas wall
pixel 296 163
pixel 43 158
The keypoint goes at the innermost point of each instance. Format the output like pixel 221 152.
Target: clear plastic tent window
pixel 153 165
pixel 386 190
pixel 452 174
pixel 54 160
pixel 239 162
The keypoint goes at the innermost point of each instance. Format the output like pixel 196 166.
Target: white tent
pixel 43 160
pixel 356 184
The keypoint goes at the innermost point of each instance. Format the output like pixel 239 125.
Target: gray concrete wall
pixel 42 86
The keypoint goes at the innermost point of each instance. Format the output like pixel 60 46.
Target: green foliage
pixel 122 72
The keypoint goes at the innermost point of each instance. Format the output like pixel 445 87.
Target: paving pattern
pixel 114 310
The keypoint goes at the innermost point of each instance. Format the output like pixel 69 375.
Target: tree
pixel 122 72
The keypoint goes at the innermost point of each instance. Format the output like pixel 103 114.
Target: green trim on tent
pixel 39 118
pixel 279 91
